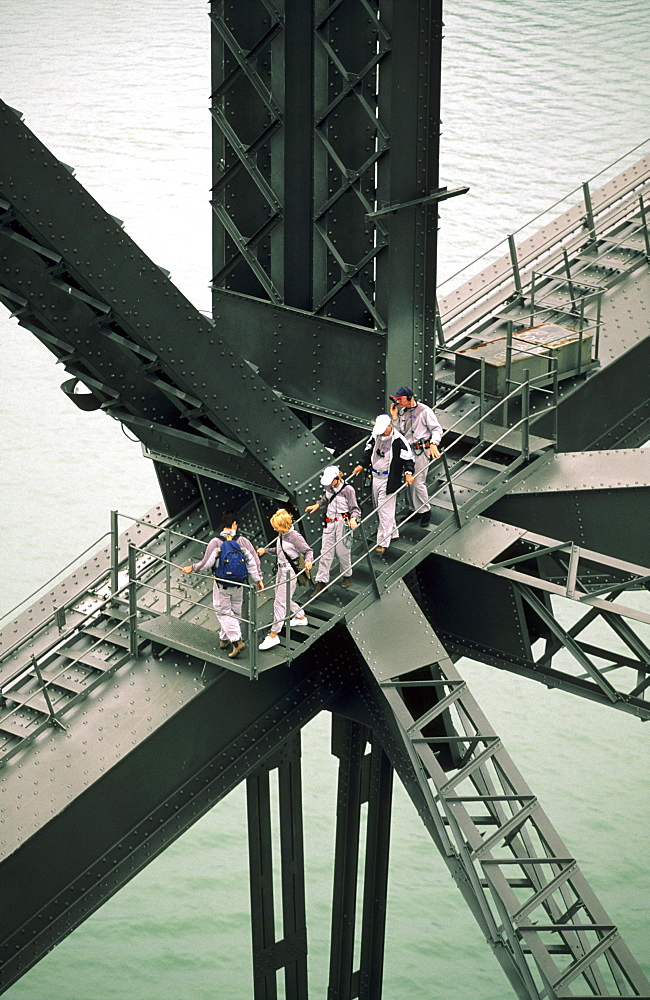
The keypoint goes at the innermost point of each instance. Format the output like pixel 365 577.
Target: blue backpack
pixel 230 569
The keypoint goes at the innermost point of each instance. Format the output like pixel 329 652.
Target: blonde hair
pixel 281 519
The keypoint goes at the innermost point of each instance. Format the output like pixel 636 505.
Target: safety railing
pixel 596 217
pixel 58 615
pixel 36 664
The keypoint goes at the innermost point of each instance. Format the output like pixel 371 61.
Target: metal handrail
pixel 12 611
pixel 565 198
pixel 26 669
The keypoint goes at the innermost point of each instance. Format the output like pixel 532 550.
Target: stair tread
pixel 18 725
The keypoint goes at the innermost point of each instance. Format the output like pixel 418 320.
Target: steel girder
pixel 162 743
pixel 117 322
pixel 596 499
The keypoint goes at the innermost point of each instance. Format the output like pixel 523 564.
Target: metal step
pixel 22 726
pixel 67 680
pixel 35 700
pixel 90 658
pixel 118 636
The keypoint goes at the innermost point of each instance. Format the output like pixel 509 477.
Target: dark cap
pixel 404 391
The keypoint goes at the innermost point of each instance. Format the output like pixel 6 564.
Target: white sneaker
pixel 300 621
pixel 269 642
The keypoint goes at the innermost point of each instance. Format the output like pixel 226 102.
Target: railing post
pixel 556 401
pixel 440 335
pixel 569 279
pixel 133 603
pixel 525 415
pixel 589 212
pixel 46 693
pixel 481 410
pixel 115 551
pixel 373 575
pixel 459 520
pixel 599 301
pixel 532 299
pixel 168 572
pixel 580 331
pixel 251 614
pixel 515 266
pixel 646 234
pixel 572 572
pixel 287 609
pixel 506 388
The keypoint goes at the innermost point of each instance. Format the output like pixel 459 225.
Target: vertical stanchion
pixel 599 301
pixel 252 630
pixel 440 334
pixel 506 388
pixel 569 279
pixel 133 604
pixel 646 234
pixel 532 299
pixel 580 332
pixel 435 365
pixel 572 572
pixel 287 609
pixel 459 521
pixel 525 415
pixel 589 212
pixel 373 575
pixel 556 401
pixel 168 571
pixel 46 694
pixel 515 266
pixel 481 400
pixel 115 551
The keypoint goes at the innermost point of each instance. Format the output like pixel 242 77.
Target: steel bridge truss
pixel 325 201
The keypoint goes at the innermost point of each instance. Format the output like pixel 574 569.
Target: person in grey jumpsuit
pixel 227 600
pixel 389 457
pixel 340 517
pixel 421 428
pixel 288 545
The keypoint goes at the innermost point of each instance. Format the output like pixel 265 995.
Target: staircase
pixel 462 483
pixel 539 914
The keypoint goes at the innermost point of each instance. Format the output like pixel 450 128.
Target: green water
pixel 536 98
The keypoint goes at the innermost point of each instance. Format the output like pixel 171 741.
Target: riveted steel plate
pixel 391 642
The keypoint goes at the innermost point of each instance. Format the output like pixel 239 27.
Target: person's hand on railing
pixel 409 477
pixel 356 470
pixel 312 507
pixel 308 566
pixel 187 569
pixel 261 552
pixel 434 451
pixel 353 523
pixel 260 584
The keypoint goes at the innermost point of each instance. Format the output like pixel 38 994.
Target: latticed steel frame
pixel 314 132
pixel 304 150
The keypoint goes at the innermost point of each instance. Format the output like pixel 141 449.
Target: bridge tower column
pixel 289 953
pixel 363 778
